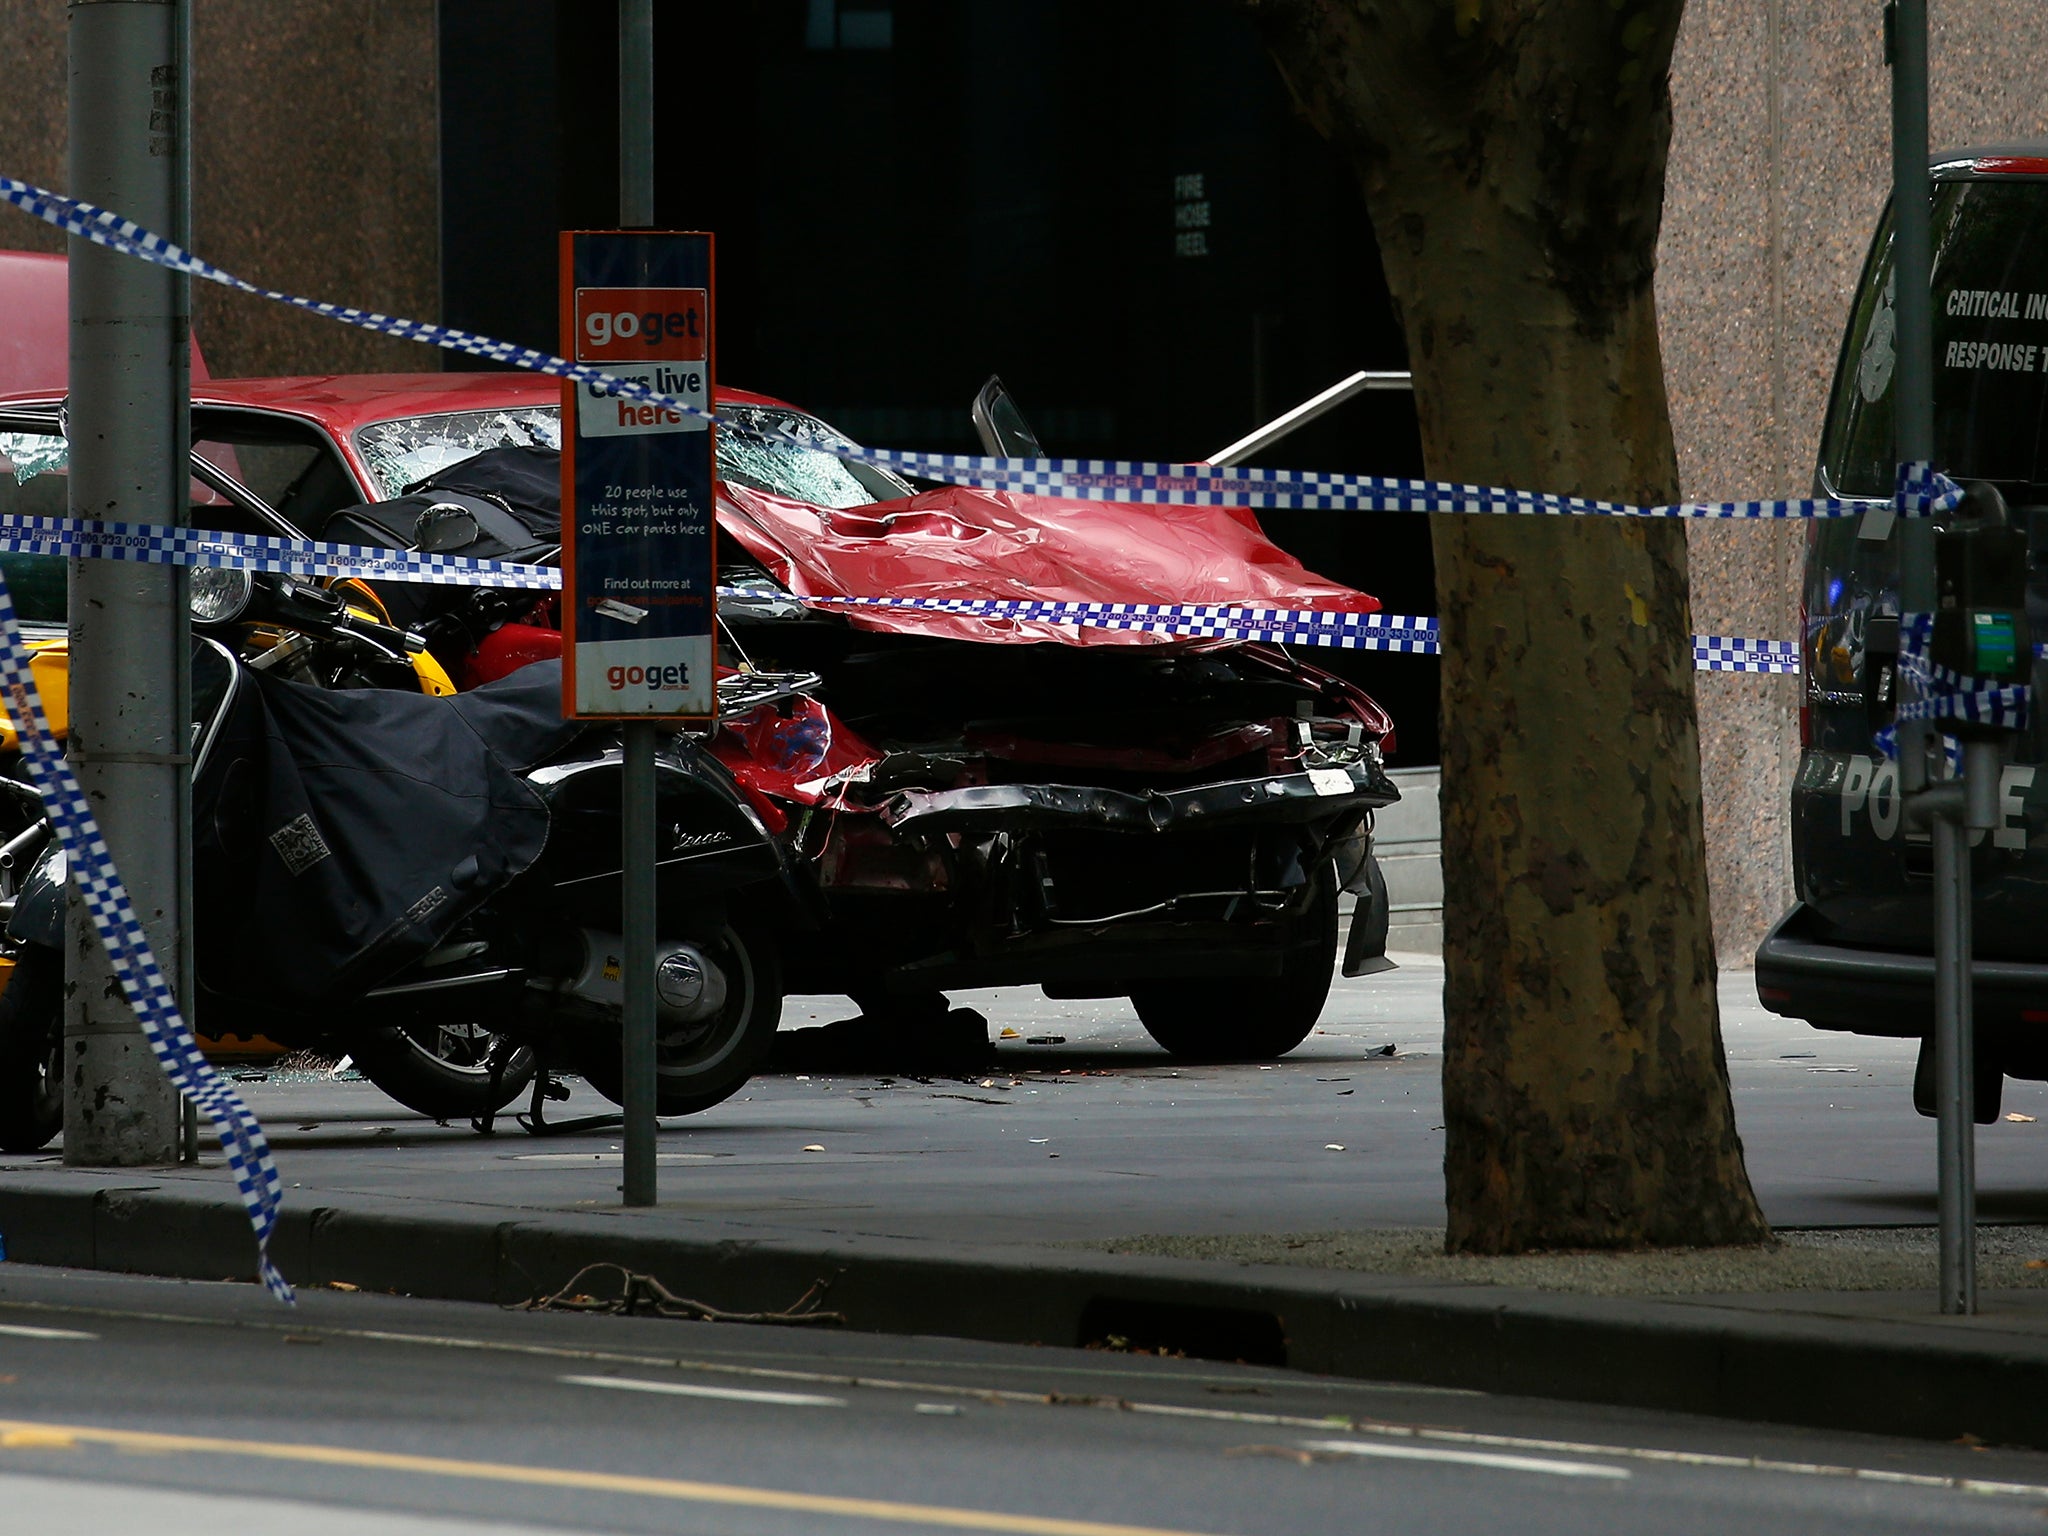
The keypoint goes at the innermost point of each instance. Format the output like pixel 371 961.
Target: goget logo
pixel 624 325
pixel 656 679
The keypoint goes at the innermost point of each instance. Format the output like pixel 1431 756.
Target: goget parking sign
pixel 638 607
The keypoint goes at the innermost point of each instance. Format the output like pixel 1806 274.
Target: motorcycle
pixel 430 885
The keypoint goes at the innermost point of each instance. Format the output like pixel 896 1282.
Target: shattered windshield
pixel 800 473
pixel 403 453
pixel 28 454
pixel 34 483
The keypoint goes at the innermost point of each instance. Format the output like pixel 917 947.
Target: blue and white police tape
pixel 155 543
pixel 1930 691
pixel 134 965
pixel 1964 698
pixel 1921 491
pixel 1195 621
pixel 1407 633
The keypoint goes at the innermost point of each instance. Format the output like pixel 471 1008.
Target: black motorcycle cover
pixel 339 835
pixel 526 481
pixel 513 494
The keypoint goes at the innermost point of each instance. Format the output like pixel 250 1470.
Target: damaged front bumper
pixel 1088 890
pixel 1314 794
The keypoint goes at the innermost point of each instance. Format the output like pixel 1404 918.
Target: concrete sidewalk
pixel 1090 1192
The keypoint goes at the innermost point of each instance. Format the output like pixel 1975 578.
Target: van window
pixel 1990 293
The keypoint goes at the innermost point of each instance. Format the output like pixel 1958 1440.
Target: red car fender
pixel 506 649
pixel 787 751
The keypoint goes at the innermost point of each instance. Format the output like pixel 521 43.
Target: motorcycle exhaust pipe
pixel 688 984
pixel 24 846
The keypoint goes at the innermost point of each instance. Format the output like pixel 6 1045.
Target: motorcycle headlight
pixel 218 596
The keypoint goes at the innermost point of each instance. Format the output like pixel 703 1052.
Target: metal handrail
pixel 1308 411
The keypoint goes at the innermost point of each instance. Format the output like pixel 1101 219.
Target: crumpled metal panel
pixel 960 543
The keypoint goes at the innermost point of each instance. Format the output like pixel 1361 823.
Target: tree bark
pixel 1511 154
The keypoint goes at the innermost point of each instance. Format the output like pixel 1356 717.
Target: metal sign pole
pixel 638 894
pixel 636 208
pixel 127 619
pixel 181 352
pixel 1912 196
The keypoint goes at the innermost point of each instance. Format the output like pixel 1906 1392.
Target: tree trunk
pixel 1512 157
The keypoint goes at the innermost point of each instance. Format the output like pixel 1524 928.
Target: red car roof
pixel 2024 159
pixel 946 543
pixel 341 402
pixel 35 323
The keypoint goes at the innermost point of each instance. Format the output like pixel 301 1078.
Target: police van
pixel 1855 952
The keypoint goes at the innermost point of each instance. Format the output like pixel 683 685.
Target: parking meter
pixel 1881 670
pixel 1980 613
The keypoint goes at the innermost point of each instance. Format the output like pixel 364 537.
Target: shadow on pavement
pixel 2028 1205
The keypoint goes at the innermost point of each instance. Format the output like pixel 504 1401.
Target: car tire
pixel 32 1052
pixel 1250 1018
pixel 446 1077
pixel 697 1066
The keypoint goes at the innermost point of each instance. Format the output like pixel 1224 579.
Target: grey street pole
pixel 181 289
pixel 128 630
pixel 1912 263
pixel 636 209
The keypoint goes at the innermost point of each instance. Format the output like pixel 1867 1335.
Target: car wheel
pixel 704 1063
pixel 32 1052
pixel 441 1070
pixel 1250 1018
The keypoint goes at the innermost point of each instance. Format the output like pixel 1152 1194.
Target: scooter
pixel 356 648
pixel 430 885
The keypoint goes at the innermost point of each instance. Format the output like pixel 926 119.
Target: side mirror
pixel 1003 431
pixel 442 527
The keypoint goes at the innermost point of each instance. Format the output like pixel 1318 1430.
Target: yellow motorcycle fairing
pixel 49 663
pixel 434 679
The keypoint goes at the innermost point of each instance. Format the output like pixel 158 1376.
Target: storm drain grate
pixel 1168 1328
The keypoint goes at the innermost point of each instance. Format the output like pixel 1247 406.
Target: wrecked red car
pixel 967 800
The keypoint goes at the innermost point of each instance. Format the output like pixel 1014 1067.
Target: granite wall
pixel 316 168
pixel 1780 164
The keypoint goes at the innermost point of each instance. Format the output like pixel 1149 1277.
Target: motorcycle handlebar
pixel 403 641
pixel 324 611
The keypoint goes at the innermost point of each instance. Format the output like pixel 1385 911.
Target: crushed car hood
pixel 960 543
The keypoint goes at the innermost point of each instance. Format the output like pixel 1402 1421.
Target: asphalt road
pixel 186 1409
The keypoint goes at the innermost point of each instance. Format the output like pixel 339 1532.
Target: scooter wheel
pixel 697 1066
pixel 32 1052
pixel 438 1071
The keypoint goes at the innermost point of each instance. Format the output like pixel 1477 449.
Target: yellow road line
pixel 24 1434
